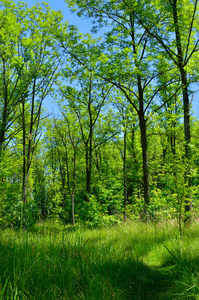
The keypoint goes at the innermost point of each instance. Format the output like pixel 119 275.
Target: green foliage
pixel 94 214
pixel 15 214
pixel 26 215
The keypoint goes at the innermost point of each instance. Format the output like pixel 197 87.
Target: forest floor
pixel 126 261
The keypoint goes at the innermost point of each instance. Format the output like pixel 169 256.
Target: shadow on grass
pixel 185 271
pixel 86 268
pixel 65 275
pixel 131 280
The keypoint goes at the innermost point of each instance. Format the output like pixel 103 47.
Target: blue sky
pixel 84 25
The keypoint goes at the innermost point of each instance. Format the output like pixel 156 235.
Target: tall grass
pixel 128 261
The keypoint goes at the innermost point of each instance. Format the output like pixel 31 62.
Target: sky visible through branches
pixel 84 26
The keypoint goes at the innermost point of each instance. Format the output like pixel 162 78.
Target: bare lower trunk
pixel 145 164
pixel 24 180
pixel 125 179
pixel 88 170
pixel 3 121
pixel 187 134
pixel 74 187
pixel 73 208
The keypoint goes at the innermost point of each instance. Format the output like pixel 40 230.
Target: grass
pixel 128 261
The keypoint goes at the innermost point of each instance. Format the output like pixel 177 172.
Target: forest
pixel 123 140
pixel 99 197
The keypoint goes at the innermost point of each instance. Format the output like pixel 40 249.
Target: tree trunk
pixel 187 134
pixel 24 154
pixel 186 107
pixel 74 187
pixel 142 123
pixel 145 166
pixel 27 154
pixel 125 179
pixel 88 173
pixel 89 151
pixel 89 145
pixel 5 111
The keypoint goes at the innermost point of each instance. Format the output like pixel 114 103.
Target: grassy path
pixel 129 261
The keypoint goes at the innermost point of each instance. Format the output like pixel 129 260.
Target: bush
pixel 16 215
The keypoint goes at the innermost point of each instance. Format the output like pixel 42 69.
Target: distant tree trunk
pixel 124 174
pixel 74 188
pixel 63 161
pixel 5 111
pixel 24 154
pixel 89 144
pixel 88 168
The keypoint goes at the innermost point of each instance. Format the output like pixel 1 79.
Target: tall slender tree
pixel 177 33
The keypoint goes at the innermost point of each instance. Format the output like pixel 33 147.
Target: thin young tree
pixel 177 33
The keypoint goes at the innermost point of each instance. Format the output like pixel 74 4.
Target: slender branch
pixel 159 39
pixel 157 91
pixel 190 31
pixel 165 102
pixel 104 141
pixel 194 50
pixel 144 48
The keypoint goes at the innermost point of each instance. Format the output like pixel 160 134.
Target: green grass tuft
pixel 126 261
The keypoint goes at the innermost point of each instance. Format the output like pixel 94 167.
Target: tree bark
pixel 124 174
pixel 24 153
pixel 145 167
pixel 5 110
pixel 27 153
pixel 74 187
pixel 88 170
pixel 142 124
pixel 186 107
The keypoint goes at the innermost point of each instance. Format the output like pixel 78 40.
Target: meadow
pixel 121 262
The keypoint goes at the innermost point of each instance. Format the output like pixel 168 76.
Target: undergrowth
pixel 126 261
